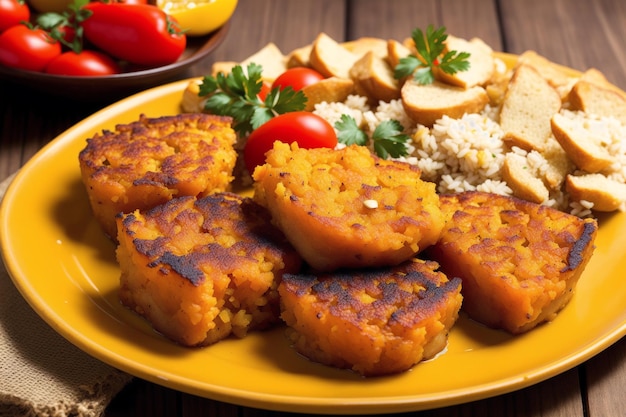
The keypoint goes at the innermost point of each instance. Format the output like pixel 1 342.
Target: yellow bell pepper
pixel 199 17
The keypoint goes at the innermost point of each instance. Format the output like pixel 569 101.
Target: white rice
pixel 467 154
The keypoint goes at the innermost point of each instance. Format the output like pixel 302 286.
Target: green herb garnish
pixel 430 47
pixel 71 19
pixel 236 95
pixel 388 138
pixel 348 132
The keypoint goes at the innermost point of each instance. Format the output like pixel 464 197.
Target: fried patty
pixel 519 261
pixel 375 321
pixel 152 160
pixel 348 208
pixel 202 269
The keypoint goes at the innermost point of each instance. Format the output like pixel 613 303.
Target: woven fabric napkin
pixel 41 373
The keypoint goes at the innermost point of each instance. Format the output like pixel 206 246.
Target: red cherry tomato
pixel 308 129
pixel 139 33
pixel 85 63
pixel 67 32
pixel 266 87
pixel 12 12
pixel 297 78
pixel 28 49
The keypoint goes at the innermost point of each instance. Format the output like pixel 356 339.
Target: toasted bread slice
pixel 594 76
pixel 333 89
pixel 580 144
pixel 482 64
pixel 222 66
pixel 524 184
pixel 271 59
pixel 192 102
pixel 373 78
pixel 558 76
pixel 363 45
pixel 331 59
pixel 375 321
pixel 519 261
pixel 606 194
pixel 529 104
pixel 299 57
pixel 347 208
pixel 425 104
pixel 396 51
pixel 202 269
pixel 598 99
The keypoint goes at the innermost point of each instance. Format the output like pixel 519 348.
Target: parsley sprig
pixel 430 47
pixel 388 138
pixel 236 94
pixel 70 19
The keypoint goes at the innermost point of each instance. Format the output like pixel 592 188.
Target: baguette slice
pixel 396 51
pixel 192 102
pixel 333 89
pixel 364 45
pixel 373 78
pixel 558 76
pixel 580 144
pixel 271 59
pixel 605 194
pixel 331 59
pixel 299 57
pixel 598 99
pixel 523 183
pixel 482 64
pixel 425 104
pixel 529 104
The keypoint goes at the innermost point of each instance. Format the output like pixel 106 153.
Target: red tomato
pixel 25 48
pixel 297 78
pixel 139 33
pixel 308 129
pixel 12 12
pixel 85 63
pixel 67 32
pixel 265 89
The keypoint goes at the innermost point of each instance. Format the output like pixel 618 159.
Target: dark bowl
pixel 99 88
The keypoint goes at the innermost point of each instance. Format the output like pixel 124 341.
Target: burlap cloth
pixel 41 373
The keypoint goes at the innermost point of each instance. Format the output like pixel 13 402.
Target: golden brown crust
pixel 425 104
pixel 373 78
pixel 148 162
pixel 529 104
pixel 347 208
pixel 519 261
pixel 375 322
pixel 201 269
pixel 333 89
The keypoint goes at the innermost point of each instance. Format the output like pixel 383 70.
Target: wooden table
pixel 576 33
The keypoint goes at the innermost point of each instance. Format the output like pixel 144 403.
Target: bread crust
pixel 529 104
pixel 425 104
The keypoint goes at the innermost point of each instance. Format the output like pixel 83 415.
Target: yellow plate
pixel 65 268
